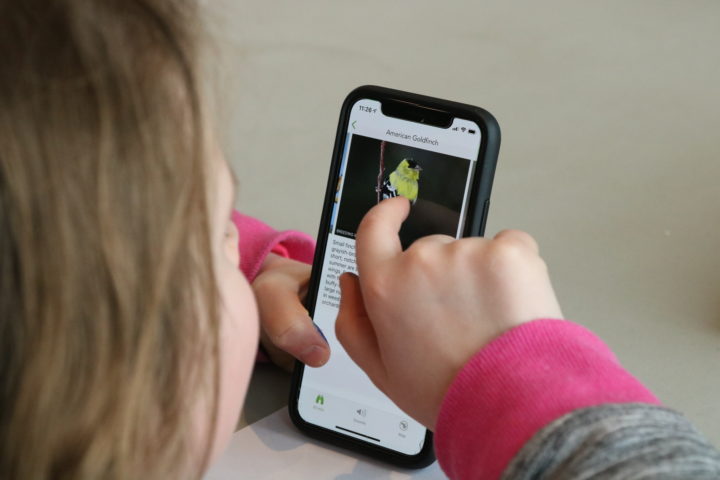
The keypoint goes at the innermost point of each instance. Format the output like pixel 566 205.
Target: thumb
pixel 355 331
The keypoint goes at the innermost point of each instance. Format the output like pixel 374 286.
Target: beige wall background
pixel 610 158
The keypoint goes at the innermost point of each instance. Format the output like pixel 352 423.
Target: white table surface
pixel 277 450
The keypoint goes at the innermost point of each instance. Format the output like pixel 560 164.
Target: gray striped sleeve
pixel 618 441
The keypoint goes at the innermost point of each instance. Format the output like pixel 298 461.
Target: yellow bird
pixel 403 181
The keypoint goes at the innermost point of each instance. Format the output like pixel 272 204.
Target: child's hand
pixel 413 319
pixel 286 328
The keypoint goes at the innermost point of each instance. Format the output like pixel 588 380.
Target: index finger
pixel 377 237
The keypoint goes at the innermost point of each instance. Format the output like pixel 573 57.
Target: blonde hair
pixel 108 323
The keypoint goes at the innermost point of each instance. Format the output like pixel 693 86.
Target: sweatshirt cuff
pixel 520 382
pixel 257 240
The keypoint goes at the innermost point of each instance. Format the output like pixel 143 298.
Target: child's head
pixel 113 212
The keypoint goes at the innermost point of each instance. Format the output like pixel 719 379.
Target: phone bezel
pixel 475 219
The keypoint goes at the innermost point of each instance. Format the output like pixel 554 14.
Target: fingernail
pixel 313 355
pixel 320 332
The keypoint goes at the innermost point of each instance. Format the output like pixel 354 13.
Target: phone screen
pixel 383 156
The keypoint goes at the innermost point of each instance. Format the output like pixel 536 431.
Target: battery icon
pixel 471 132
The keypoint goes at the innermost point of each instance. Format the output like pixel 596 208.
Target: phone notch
pixel 413 112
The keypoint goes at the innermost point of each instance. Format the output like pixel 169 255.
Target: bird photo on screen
pixel 404 180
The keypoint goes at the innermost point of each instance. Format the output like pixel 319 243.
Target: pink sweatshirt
pixel 257 240
pixel 517 384
pixel 513 387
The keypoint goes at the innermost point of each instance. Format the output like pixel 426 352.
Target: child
pixel 128 333
pixel 116 241
pixel 481 358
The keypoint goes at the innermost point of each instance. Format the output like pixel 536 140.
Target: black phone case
pixel 476 218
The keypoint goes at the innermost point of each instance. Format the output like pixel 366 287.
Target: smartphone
pixel 441 155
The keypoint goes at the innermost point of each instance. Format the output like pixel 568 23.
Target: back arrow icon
pixel 353 124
